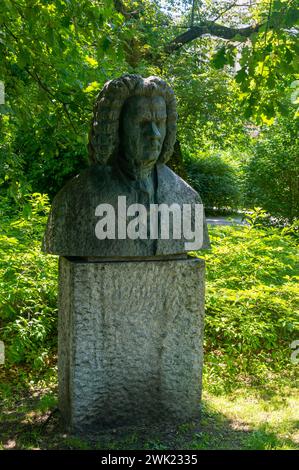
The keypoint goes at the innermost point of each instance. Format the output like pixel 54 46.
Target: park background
pixel 233 66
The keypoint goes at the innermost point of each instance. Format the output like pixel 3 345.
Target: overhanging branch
pixel 213 29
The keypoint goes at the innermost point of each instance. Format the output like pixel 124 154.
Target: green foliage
pixel 55 56
pixel 271 174
pixel 267 62
pixel 252 292
pixel 28 283
pixel 209 110
pixel 216 179
pixel 258 217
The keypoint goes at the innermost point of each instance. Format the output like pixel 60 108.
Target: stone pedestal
pixel 130 342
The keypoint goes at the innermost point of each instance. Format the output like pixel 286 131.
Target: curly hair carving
pixel 104 142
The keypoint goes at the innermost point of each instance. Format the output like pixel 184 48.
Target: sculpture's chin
pixel 143 172
pixel 151 154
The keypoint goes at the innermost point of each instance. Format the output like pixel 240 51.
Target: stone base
pixel 130 342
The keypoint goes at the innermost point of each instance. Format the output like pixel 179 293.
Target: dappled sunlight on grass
pixel 273 420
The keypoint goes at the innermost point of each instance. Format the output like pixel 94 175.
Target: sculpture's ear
pixel 168 145
pixel 171 127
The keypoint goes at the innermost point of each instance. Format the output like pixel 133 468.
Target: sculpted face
pixel 143 130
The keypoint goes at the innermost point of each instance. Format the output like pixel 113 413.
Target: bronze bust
pixel 132 136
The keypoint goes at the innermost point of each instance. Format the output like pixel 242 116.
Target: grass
pixel 248 418
pixel 260 419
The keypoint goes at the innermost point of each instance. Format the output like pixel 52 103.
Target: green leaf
pixel 291 17
pixel 241 76
pixel 289 55
pixel 219 59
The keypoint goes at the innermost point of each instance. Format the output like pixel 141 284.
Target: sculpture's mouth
pixel 155 146
pixel 151 150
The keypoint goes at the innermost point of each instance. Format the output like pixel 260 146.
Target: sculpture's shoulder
pixel 174 190
pixel 73 208
pixel 173 187
pixel 92 180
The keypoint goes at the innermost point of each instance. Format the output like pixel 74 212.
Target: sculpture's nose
pixel 153 131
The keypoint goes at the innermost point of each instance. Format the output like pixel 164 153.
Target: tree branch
pixel 119 6
pixel 51 96
pixel 228 8
pixel 213 29
pixel 192 14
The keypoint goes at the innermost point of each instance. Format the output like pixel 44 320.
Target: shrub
pixel 215 178
pixel 28 284
pixel 251 298
pixel 272 172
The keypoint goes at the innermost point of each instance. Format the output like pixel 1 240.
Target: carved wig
pixel 103 144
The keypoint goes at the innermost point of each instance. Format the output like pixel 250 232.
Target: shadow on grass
pixel 274 388
pixel 27 425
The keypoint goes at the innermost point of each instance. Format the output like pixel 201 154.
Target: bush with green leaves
pixel 216 177
pixel 272 173
pixel 55 57
pixel 28 284
pixel 251 303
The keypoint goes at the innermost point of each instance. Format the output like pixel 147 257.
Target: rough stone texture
pixel 130 342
